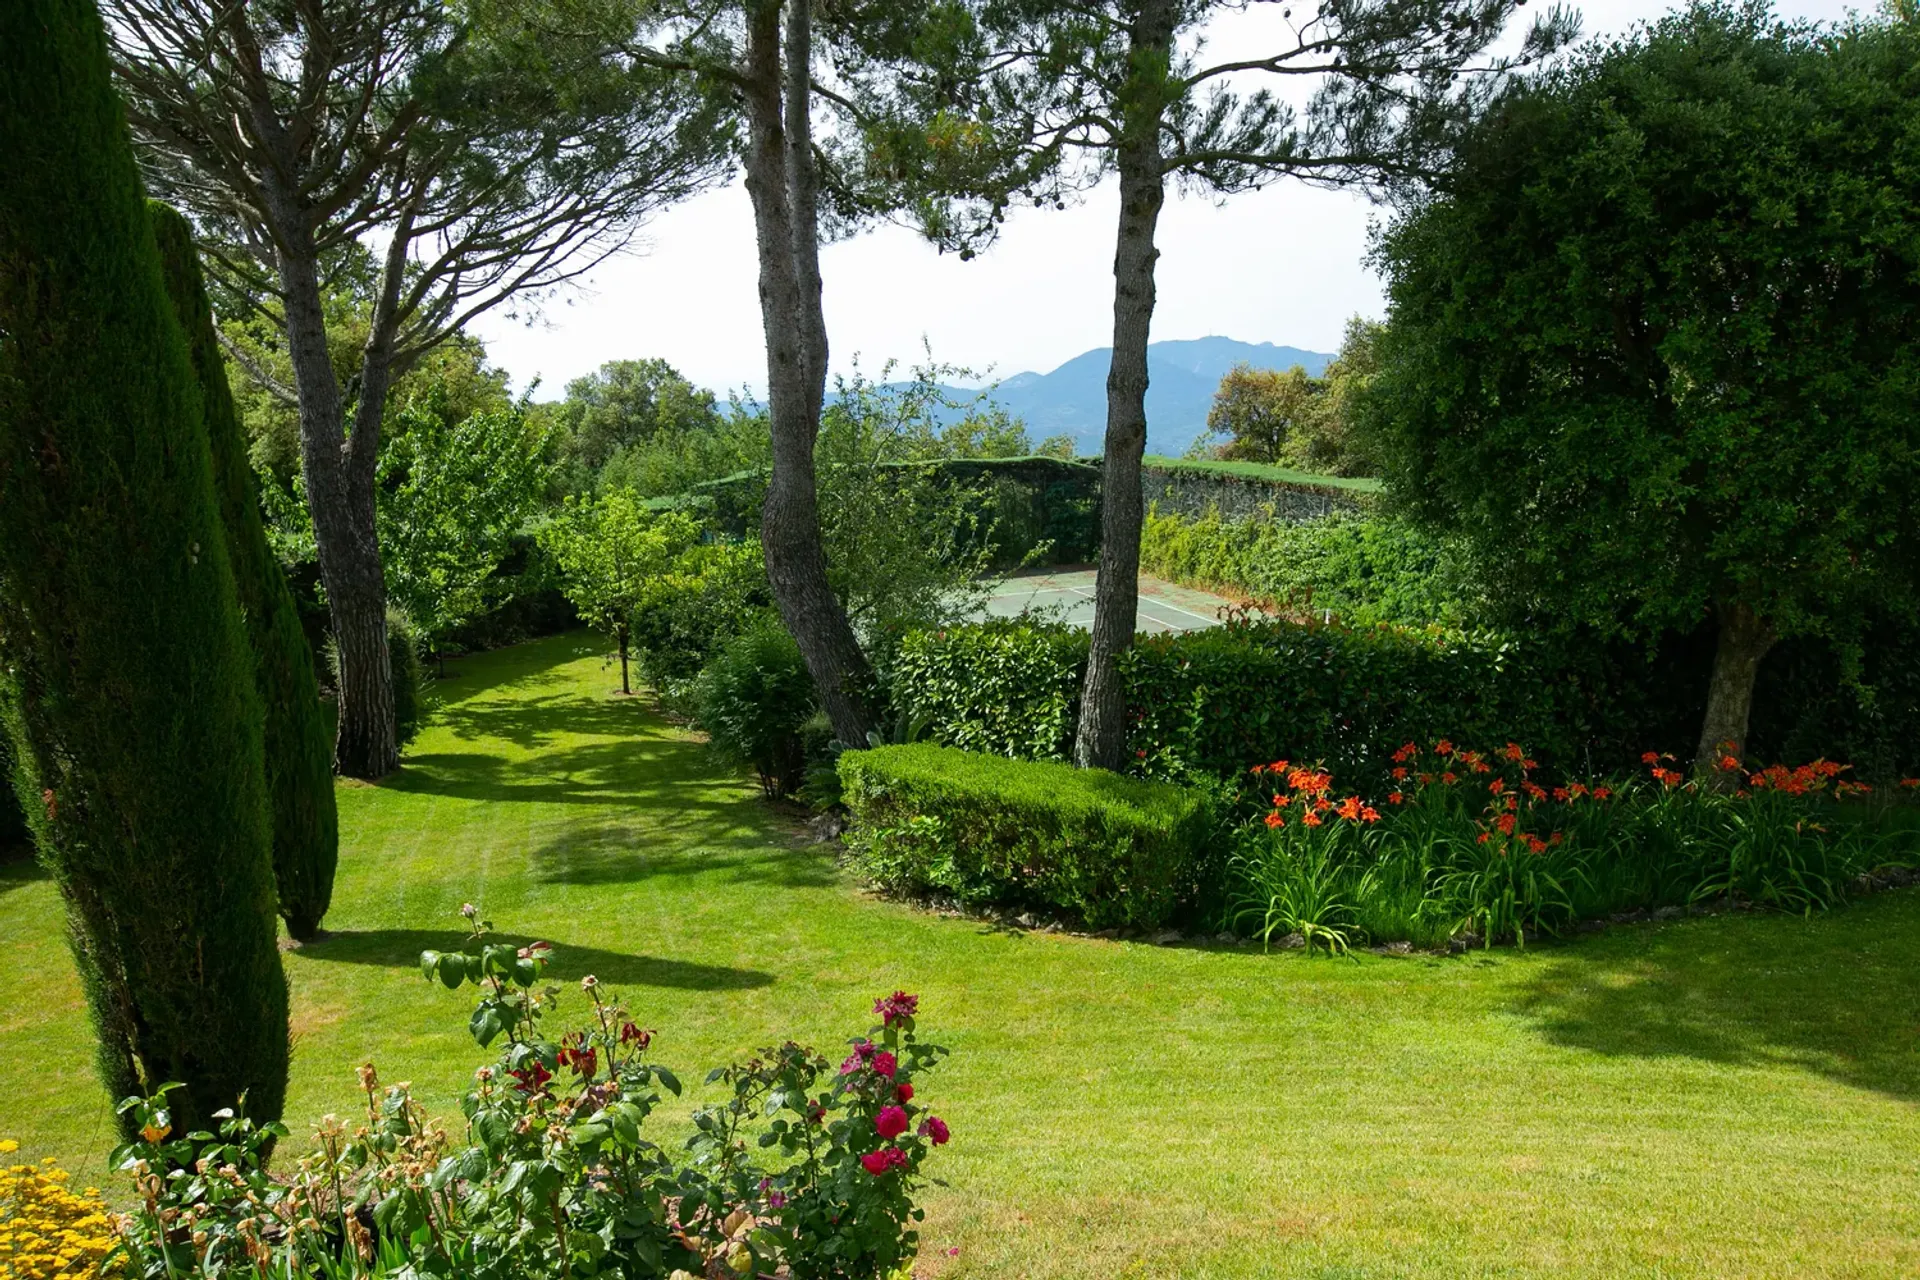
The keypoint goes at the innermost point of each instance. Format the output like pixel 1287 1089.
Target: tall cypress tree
pixel 126 683
pixel 306 831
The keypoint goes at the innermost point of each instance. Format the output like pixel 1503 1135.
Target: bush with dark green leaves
pixel 755 700
pixel 1099 847
pixel 1204 703
pixel 127 684
pixel 299 744
pixel 409 698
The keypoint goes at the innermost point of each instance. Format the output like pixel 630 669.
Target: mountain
pixel 1181 379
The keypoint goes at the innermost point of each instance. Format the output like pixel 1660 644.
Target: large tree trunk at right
pixel 784 188
pixel 1101 738
pixel 1745 639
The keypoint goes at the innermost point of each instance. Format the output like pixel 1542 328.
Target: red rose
pixel 878 1162
pixel 935 1128
pixel 885 1063
pixel 903 1091
pixel 891 1122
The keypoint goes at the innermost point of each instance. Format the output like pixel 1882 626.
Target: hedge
pixel 126 679
pixel 1213 702
pixel 1096 846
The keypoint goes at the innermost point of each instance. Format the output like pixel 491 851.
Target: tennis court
pixel 1068 594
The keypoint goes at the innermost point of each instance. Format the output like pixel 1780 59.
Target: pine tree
pixel 126 683
pixel 306 829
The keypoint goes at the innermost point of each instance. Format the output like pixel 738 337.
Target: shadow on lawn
pixel 1833 994
pixel 19 868
pixel 401 948
pixel 615 852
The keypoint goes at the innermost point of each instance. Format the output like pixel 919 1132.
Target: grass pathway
pixel 1717 1097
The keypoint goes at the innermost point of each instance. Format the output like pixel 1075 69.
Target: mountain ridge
pixel 1182 375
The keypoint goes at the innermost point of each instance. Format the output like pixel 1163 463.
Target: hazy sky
pixel 1279 265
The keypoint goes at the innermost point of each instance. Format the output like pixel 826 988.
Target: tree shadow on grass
pixel 19 868
pixel 401 948
pixel 615 852
pixel 1834 994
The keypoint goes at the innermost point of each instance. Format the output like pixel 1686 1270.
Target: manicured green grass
pixel 1717 1097
pixel 1264 471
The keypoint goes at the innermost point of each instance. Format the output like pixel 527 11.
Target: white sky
pixel 1280 265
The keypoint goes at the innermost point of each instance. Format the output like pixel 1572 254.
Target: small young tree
pixel 452 495
pixel 126 682
pixel 299 750
pixel 1655 344
pixel 614 555
pixel 1128 87
pixel 472 154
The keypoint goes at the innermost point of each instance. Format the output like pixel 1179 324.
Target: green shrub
pixel 1205 702
pixel 676 633
pixel 127 683
pixel 1008 687
pixel 1097 846
pixel 754 700
pixel 409 696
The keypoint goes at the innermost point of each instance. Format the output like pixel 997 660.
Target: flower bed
pixel 804 1170
pixel 1471 844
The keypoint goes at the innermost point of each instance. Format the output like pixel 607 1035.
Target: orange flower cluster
pixel 1821 775
pixel 1309 791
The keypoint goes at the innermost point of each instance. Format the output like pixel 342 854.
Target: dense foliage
pixel 806 1168
pixel 298 734
pixel 127 684
pixel 1653 343
pixel 985 830
pixel 453 492
pixel 1347 566
pixel 1291 419
pixel 753 699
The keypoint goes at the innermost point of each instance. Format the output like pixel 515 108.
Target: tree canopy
pixel 1655 341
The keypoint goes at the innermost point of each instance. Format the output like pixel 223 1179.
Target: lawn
pixel 1715 1097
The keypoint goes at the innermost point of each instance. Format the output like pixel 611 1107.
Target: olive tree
pixel 1655 338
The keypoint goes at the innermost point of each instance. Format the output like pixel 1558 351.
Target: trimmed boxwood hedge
pixel 1096 846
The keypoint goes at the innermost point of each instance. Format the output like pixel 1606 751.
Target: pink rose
pixel 936 1128
pixel 885 1064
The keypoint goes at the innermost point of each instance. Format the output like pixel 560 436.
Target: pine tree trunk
pixel 1745 639
pixel 299 753
pixel 1101 738
pixel 339 471
pixel 784 187
pixel 126 680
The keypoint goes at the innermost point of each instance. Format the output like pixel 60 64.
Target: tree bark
pixel 1745 639
pixel 784 186
pixel 1101 738
pixel 339 481
pixel 625 686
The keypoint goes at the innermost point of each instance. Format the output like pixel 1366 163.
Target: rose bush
pixel 805 1171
